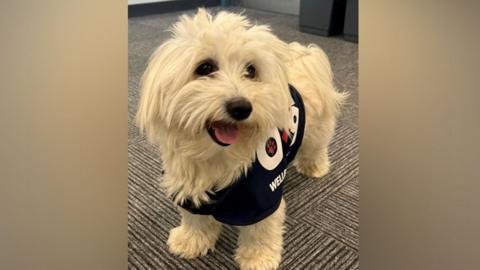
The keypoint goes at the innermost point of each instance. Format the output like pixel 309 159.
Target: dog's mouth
pixel 223 133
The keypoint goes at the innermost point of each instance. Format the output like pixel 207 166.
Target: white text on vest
pixel 278 180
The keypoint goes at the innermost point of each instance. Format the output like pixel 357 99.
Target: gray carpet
pixel 322 217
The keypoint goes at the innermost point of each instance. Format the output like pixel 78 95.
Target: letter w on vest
pixel 278 180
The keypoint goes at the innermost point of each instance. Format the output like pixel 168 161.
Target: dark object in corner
pixel 322 17
pixel 168 6
pixel 350 30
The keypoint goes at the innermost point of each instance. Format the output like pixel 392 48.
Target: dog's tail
pixel 316 65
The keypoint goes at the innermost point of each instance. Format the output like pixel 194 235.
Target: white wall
pixel 133 2
pixel 280 6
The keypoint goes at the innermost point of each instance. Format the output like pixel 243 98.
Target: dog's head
pixel 218 78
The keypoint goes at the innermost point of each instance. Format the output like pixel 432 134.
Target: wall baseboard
pixel 290 7
pixel 168 6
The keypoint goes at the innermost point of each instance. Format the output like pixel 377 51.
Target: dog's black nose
pixel 239 108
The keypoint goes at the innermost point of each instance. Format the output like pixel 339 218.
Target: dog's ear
pixel 148 105
pixel 162 76
pixel 165 73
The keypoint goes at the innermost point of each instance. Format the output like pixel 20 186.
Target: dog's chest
pixel 257 194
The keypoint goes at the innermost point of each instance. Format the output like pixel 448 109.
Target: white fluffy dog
pixel 211 97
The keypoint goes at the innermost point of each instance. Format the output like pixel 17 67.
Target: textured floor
pixel 322 217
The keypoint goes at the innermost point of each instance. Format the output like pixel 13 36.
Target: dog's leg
pixel 260 245
pixel 195 236
pixel 316 165
pixel 312 158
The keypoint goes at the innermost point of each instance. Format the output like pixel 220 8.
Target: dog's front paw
pixel 258 259
pixel 190 244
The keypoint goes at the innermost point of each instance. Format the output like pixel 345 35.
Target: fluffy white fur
pixel 176 106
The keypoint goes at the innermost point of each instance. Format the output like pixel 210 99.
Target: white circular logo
pixel 294 119
pixel 270 153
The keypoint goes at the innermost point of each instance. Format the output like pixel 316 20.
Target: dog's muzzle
pixel 226 133
pixel 239 108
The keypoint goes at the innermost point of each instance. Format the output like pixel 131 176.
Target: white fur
pixel 176 106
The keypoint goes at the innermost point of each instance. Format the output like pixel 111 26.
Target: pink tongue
pixel 226 134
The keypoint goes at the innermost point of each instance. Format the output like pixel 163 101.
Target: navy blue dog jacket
pixel 258 194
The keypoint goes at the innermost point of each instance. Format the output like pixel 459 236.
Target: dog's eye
pixel 251 72
pixel 206 68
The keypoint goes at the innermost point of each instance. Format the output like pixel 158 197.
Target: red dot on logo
pixel 284 136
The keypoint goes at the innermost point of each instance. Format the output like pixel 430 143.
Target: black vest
pixel 257 194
